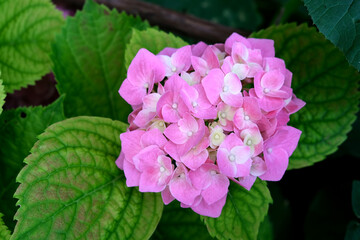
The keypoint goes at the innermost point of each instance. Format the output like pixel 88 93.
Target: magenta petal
pixel 213 210
pixel 132 94
pixel 276 164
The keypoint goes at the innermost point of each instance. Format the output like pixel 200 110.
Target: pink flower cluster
pixel 204 115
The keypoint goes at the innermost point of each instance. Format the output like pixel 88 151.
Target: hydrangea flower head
pixel 205 115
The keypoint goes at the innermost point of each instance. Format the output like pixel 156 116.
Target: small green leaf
pixel 88 59
pixel 2 95
pixel 242 214
pixel 325 81
pixel 355 199
pixel 153 40
pixel 180 223
pixel 27 29
pixel 4 231
pixel 18 130
pixel 72 189
pixel 353 231
pixel 339 21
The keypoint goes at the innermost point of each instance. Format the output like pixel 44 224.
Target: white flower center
pixel 182 175
pixel 162 169
pixel 223 115
pixel 213 172
pixel 269 150
pixel 146 85
pixel 231 157
pixel 216 136
pixel 247 118
pixel 249 142
pixel 173 69
pixel 194 104
pixel 161 124
pixel 266 90
pixel 225 88
pixel 189 133
pixel 174 106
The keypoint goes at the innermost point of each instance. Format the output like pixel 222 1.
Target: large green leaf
pixel 89 61
pixel 325 81
pixel 339 21
pixel 352 231
pixel 2 95
pixel 153 40
pixel 27 28
pixel 18 130
pixel 72 189
pixel 242 214
pixel 180 223
pixel 4 231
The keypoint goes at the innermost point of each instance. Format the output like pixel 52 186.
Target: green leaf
pixel 153 40
pixel 242 214
pixel 72 189
pixel 88 59
pixel 4 231
pixel 27 29
pixel 19 129
pixel 266 230
pixel 325 81
pixel 339 21
pixel 2 95
pixel 353 231
pixel 180 223
pixel 355 199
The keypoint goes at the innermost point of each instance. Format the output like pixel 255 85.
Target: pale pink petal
pixel 246 182
pixel 198 49
pixel 234 100
pixel 200 65
pixel 239 53
pixel 168 51
pixel 286 138
pixel 226 166
pixel 120 161
pixel 272 63
pixel 241 70
pixel 272 80
pixel 258 166
pixel 210 57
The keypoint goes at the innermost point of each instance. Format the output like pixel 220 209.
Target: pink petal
pixel 198 49
pixel 286 138
pixel 265 45
pixel 200 65
pixel 272 80
pixel 211 59
pixel 132 174
pixel 130 143
pixel 226 167
pixel 181 59
pixel 258 166
pixel 234 100
pixel 174 134
pixel 181 187
pixel 166 196
pixel 213 210
pixel 246 182
pixel 276 164
pixel 217 189
pixel 168 51
pixel 212 84
pixel 145 68
pixel 132 94
pixel 153 137
pixel 239 53
pixel 235 37
pixel 120 161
